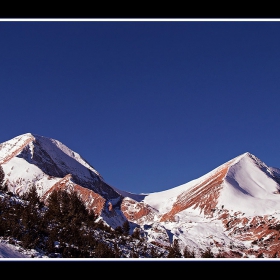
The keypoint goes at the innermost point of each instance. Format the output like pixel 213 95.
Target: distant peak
pixel 28 134
pixel 247 154
pixel 31 135
pixel 251 156
pixel 242 156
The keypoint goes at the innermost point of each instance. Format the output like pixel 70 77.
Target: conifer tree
pixel 119 230
pixel 32 197
pixel 3 186
pixel 126 227
pixel 136 233
pixel 188 253
pixel 53 203
pixel 174 250
pixel 207 253
pixel 2 175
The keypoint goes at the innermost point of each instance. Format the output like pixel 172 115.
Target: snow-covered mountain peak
pixel 28 134
pixel 250 187
pixel 244 183
pixel 239 158
pixel 30 159
pixel 247 159
pixel 57 149
pixel 57 153
pixel 11 148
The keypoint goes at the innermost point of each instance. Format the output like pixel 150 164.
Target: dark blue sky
pixel 150 105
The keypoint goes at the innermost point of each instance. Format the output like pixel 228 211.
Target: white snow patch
pixel 24 175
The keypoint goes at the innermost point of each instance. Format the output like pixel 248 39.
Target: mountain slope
pixel 53 159
pixel 233 209
pixel 242 184
pixel 31 159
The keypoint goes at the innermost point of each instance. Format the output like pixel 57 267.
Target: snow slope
pixel 7 251
pixel 32 159
pixel 247 186
pixel 236 205
pixel 229 207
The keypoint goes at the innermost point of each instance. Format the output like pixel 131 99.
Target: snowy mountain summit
pixel 234 209
pixel 243 184
pixel 30 159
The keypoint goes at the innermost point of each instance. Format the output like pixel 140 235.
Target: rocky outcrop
pixel 203 196
pixel 138 212
pixel 92 200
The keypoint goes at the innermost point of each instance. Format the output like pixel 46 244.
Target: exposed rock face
pixel 138 212
pixel 262 232
pixel 203 196
pixel 92 200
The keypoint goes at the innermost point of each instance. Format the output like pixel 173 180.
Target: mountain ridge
pixel 208 210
